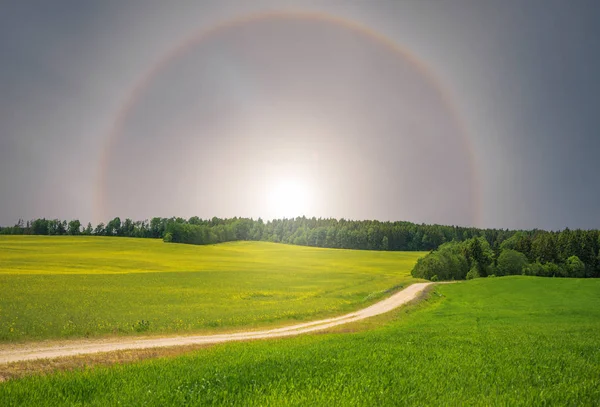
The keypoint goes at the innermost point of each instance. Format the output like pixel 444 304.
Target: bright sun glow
pixel 289 198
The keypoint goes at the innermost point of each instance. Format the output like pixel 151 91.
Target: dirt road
pixel 37 351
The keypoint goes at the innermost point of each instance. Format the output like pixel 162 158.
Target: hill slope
pixel 62 287
pixel 503 341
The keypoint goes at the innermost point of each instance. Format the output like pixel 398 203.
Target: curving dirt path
pixel 33 351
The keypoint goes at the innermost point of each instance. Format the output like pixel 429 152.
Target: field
pixel 56 287
pixel 496 341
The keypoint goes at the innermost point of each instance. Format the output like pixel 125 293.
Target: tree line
pixel 545 254
pixel 331 233
pixel 458 250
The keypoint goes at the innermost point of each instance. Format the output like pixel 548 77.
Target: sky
pixel 462 112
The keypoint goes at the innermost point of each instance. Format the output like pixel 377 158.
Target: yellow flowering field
pixel 86 286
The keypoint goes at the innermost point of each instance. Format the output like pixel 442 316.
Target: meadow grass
pixel 56 287
pixel 497 341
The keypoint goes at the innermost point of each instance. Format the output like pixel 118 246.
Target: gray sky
pixel 298 116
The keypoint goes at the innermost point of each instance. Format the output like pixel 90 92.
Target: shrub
pixel 491 270
pixel 473 273
pixel 552 270
pixel 534 269
pixel 168 237
pixel 142 326
pixel 446 263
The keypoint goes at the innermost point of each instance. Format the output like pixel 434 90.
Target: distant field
pixel 499 341
pixel 64 287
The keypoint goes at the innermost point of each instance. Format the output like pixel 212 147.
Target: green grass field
pixel 498 341
pixel 57 287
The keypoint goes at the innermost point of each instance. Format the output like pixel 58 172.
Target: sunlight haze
pixel 413 111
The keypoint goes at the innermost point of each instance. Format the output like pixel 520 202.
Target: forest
pixel 455 252
pixel 543 254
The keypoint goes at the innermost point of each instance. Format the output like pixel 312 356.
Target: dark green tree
pixel 510 262
pixel 74 227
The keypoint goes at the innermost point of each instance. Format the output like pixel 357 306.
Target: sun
pixel 289 198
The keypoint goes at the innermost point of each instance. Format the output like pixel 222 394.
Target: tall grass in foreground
pixel 504 341
pixel 67 287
